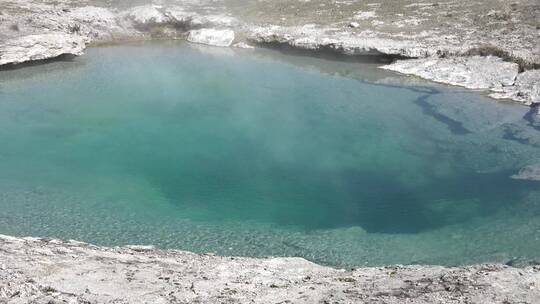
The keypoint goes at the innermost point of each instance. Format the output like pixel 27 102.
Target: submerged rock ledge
pixel 445 38
pixel 34 270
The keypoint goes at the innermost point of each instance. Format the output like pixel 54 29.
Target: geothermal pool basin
pixel 257 153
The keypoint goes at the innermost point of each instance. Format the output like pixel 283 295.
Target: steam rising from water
pixel 243 154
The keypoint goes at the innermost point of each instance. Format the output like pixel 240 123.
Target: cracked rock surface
pixel 34 270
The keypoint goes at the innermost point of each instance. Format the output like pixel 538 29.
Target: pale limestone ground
pixel 510 26
pixel 50 271
pixel 441 34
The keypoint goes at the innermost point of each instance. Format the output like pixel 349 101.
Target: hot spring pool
pixel 256 153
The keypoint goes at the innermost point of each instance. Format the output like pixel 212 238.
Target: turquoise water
pixel 258 153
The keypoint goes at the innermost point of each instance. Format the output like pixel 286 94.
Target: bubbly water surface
pixel 257 153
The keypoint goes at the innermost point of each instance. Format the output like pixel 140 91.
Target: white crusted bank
pixel 34 270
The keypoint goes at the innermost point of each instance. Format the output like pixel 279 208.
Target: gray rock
pixel 475 72
pixel 51 271
pixel 531 172
pixel 243 45
pixel 311 37
pixel 146 16
pixel 40 47
pixel 526 88
pixel 213 37
pixel 94 23
pixel 193 20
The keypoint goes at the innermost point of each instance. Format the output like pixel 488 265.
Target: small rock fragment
pixel 531 172
pixel 40 47
pixel 213 37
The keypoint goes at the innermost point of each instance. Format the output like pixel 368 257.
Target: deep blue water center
pixel 259 153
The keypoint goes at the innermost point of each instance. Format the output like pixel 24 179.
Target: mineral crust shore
pixel 491 45
pixel 34 270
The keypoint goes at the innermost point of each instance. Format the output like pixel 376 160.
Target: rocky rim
pixel 490 45
pixel 34 270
